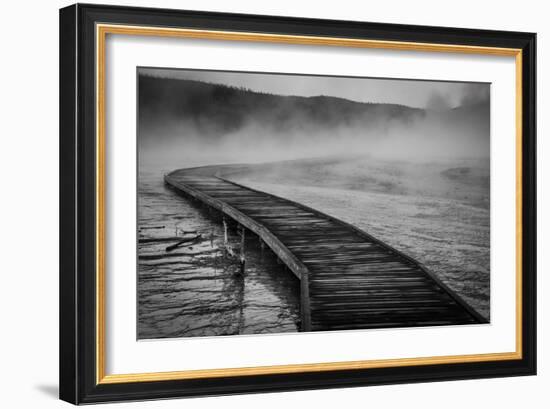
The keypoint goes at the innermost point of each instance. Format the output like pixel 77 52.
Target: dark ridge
pixel 216 109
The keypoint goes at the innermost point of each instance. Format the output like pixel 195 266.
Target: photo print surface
pixel 277 203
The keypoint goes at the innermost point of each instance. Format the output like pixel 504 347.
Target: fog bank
pixel 182 120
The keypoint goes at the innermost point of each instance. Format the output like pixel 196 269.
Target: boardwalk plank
pixel 349 280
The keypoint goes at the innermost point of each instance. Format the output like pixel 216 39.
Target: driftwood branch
pixel 190 240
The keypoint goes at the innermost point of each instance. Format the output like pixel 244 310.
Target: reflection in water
pixel 196 288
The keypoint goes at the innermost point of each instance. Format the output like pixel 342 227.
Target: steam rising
pixel 182 120
pixel 407 161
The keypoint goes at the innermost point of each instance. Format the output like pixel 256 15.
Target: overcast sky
pixel 414 93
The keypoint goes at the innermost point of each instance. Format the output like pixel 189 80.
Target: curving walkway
pixel 349 279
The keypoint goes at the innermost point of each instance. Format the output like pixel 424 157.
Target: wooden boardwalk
pixel 348 279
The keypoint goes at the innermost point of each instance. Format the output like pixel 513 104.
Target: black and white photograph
pixel 276 203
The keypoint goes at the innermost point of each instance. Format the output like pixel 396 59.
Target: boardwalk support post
pixel 243 258
pixel 305 310
pixel 224 232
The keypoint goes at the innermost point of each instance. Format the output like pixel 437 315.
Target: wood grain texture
pixel 349 279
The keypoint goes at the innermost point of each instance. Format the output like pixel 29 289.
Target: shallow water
pixel 196 289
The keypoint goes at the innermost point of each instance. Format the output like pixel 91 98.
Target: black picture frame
pixel 78 309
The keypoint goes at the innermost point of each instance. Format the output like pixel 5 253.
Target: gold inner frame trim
pixel 101 33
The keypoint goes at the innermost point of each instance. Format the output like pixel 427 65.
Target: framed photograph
pixel 257 203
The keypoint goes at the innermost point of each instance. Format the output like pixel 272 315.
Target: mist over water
pixel 417 178
pixel 214 120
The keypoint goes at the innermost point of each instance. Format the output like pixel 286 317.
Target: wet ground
pixel 198 288
pixel 438 214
